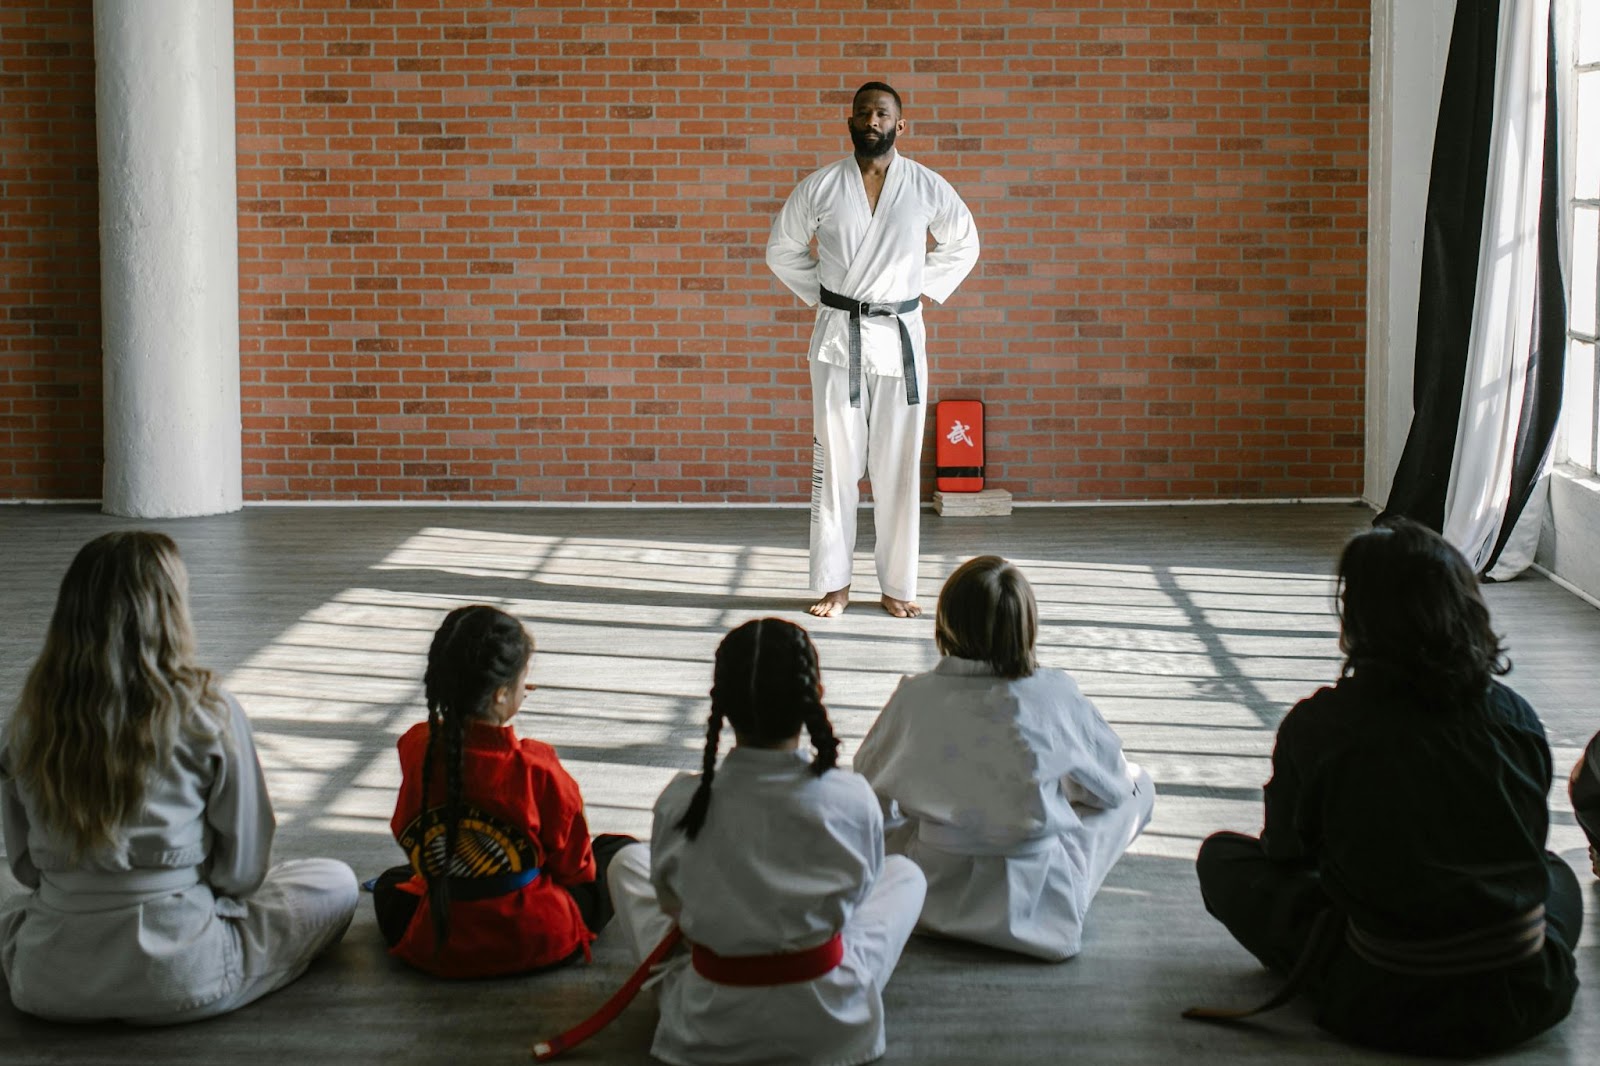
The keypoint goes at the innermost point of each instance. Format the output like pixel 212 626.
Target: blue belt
pixel 470 888
pixel 860 308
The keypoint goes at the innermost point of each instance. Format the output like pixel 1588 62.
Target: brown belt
pixel 1316 952
pixel 1480 950
pixel 1492 947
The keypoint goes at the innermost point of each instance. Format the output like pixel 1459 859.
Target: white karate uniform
pixel 784 861
pixel 880 256
pixel 181 919
pixel 1012 795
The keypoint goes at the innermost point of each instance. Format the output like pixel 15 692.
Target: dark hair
pixel 879 87
pixel 767 683
pixel 987 612
pixel 1408 600
pixel 476 651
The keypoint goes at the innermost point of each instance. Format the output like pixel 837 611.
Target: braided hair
pixel 476 651
pixel 768 684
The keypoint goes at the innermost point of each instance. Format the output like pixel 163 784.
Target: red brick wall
pixel 499 249
pixel 49 253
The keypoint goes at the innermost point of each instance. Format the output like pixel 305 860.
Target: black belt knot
pixel 860 309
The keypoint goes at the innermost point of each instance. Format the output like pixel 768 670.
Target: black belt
pixel 860 308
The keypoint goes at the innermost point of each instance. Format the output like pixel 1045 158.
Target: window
pixel 1579 443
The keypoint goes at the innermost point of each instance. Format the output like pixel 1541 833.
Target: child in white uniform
pixel 776 875
pixel 136 817
pixel 1000 778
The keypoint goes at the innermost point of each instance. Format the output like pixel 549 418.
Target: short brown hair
pixel 987 612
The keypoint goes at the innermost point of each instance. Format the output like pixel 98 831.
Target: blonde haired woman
pixel 137 820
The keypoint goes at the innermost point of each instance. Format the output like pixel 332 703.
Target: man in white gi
pixel 871 215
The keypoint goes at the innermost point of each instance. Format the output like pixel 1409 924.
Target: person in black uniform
pixel 1583 787
pixel 1403 858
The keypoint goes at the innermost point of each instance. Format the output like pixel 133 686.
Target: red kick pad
pixel 958 455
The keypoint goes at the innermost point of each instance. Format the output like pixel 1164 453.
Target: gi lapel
pixel 863 265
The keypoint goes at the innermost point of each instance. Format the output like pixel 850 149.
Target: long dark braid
pixel 695 816
pixel 819 728
pixel 476 651
pixel 766 683
pixel 438 887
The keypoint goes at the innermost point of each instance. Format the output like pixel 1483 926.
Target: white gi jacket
pixel 139 929
pixel 981 775
pixel 878 256
pixel 783 862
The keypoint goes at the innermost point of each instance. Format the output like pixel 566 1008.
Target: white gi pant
pixel 793 1021
pixel 883 440
pixel 1107 834
pixel 84 957
pixel 1034 901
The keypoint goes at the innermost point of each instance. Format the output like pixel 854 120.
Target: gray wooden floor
pixel 1194 628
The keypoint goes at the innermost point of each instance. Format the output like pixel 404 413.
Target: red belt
pixel 785 968
pixel 545 1050
pixel 745 970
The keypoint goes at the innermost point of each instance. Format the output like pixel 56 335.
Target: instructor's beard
pixel 870 149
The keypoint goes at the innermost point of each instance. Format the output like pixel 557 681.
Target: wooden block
pixel 972 504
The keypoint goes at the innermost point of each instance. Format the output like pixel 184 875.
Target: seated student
pixel 137 818
pixel 1583 787
pixel 1011 790
pixel 776 876
pixel 520 891
pixel 1403 857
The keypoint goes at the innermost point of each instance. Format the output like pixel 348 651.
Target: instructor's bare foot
pixel 901 608
pixel 832 605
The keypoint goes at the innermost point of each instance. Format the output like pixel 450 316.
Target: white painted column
pixel 169 256
pixel 1410 43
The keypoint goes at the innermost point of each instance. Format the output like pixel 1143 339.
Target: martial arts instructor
pixel 871 214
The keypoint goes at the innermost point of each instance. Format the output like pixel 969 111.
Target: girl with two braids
pixel 1000 778
pixel 771 863
pixel 137 819
pixel 502 877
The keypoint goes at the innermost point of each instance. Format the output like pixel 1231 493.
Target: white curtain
pixel 1503 307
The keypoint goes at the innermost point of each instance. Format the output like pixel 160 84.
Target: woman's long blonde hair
pixel 114 686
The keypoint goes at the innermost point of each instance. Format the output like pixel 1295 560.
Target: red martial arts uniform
pixel 519 811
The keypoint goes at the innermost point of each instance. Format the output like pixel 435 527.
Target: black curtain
pixel 1453 228
pixel 1466 186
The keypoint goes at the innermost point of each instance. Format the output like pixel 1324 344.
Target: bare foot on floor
pixel 832 605
pixel 901 608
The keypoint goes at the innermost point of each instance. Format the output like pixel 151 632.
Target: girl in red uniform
pixel 522 889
